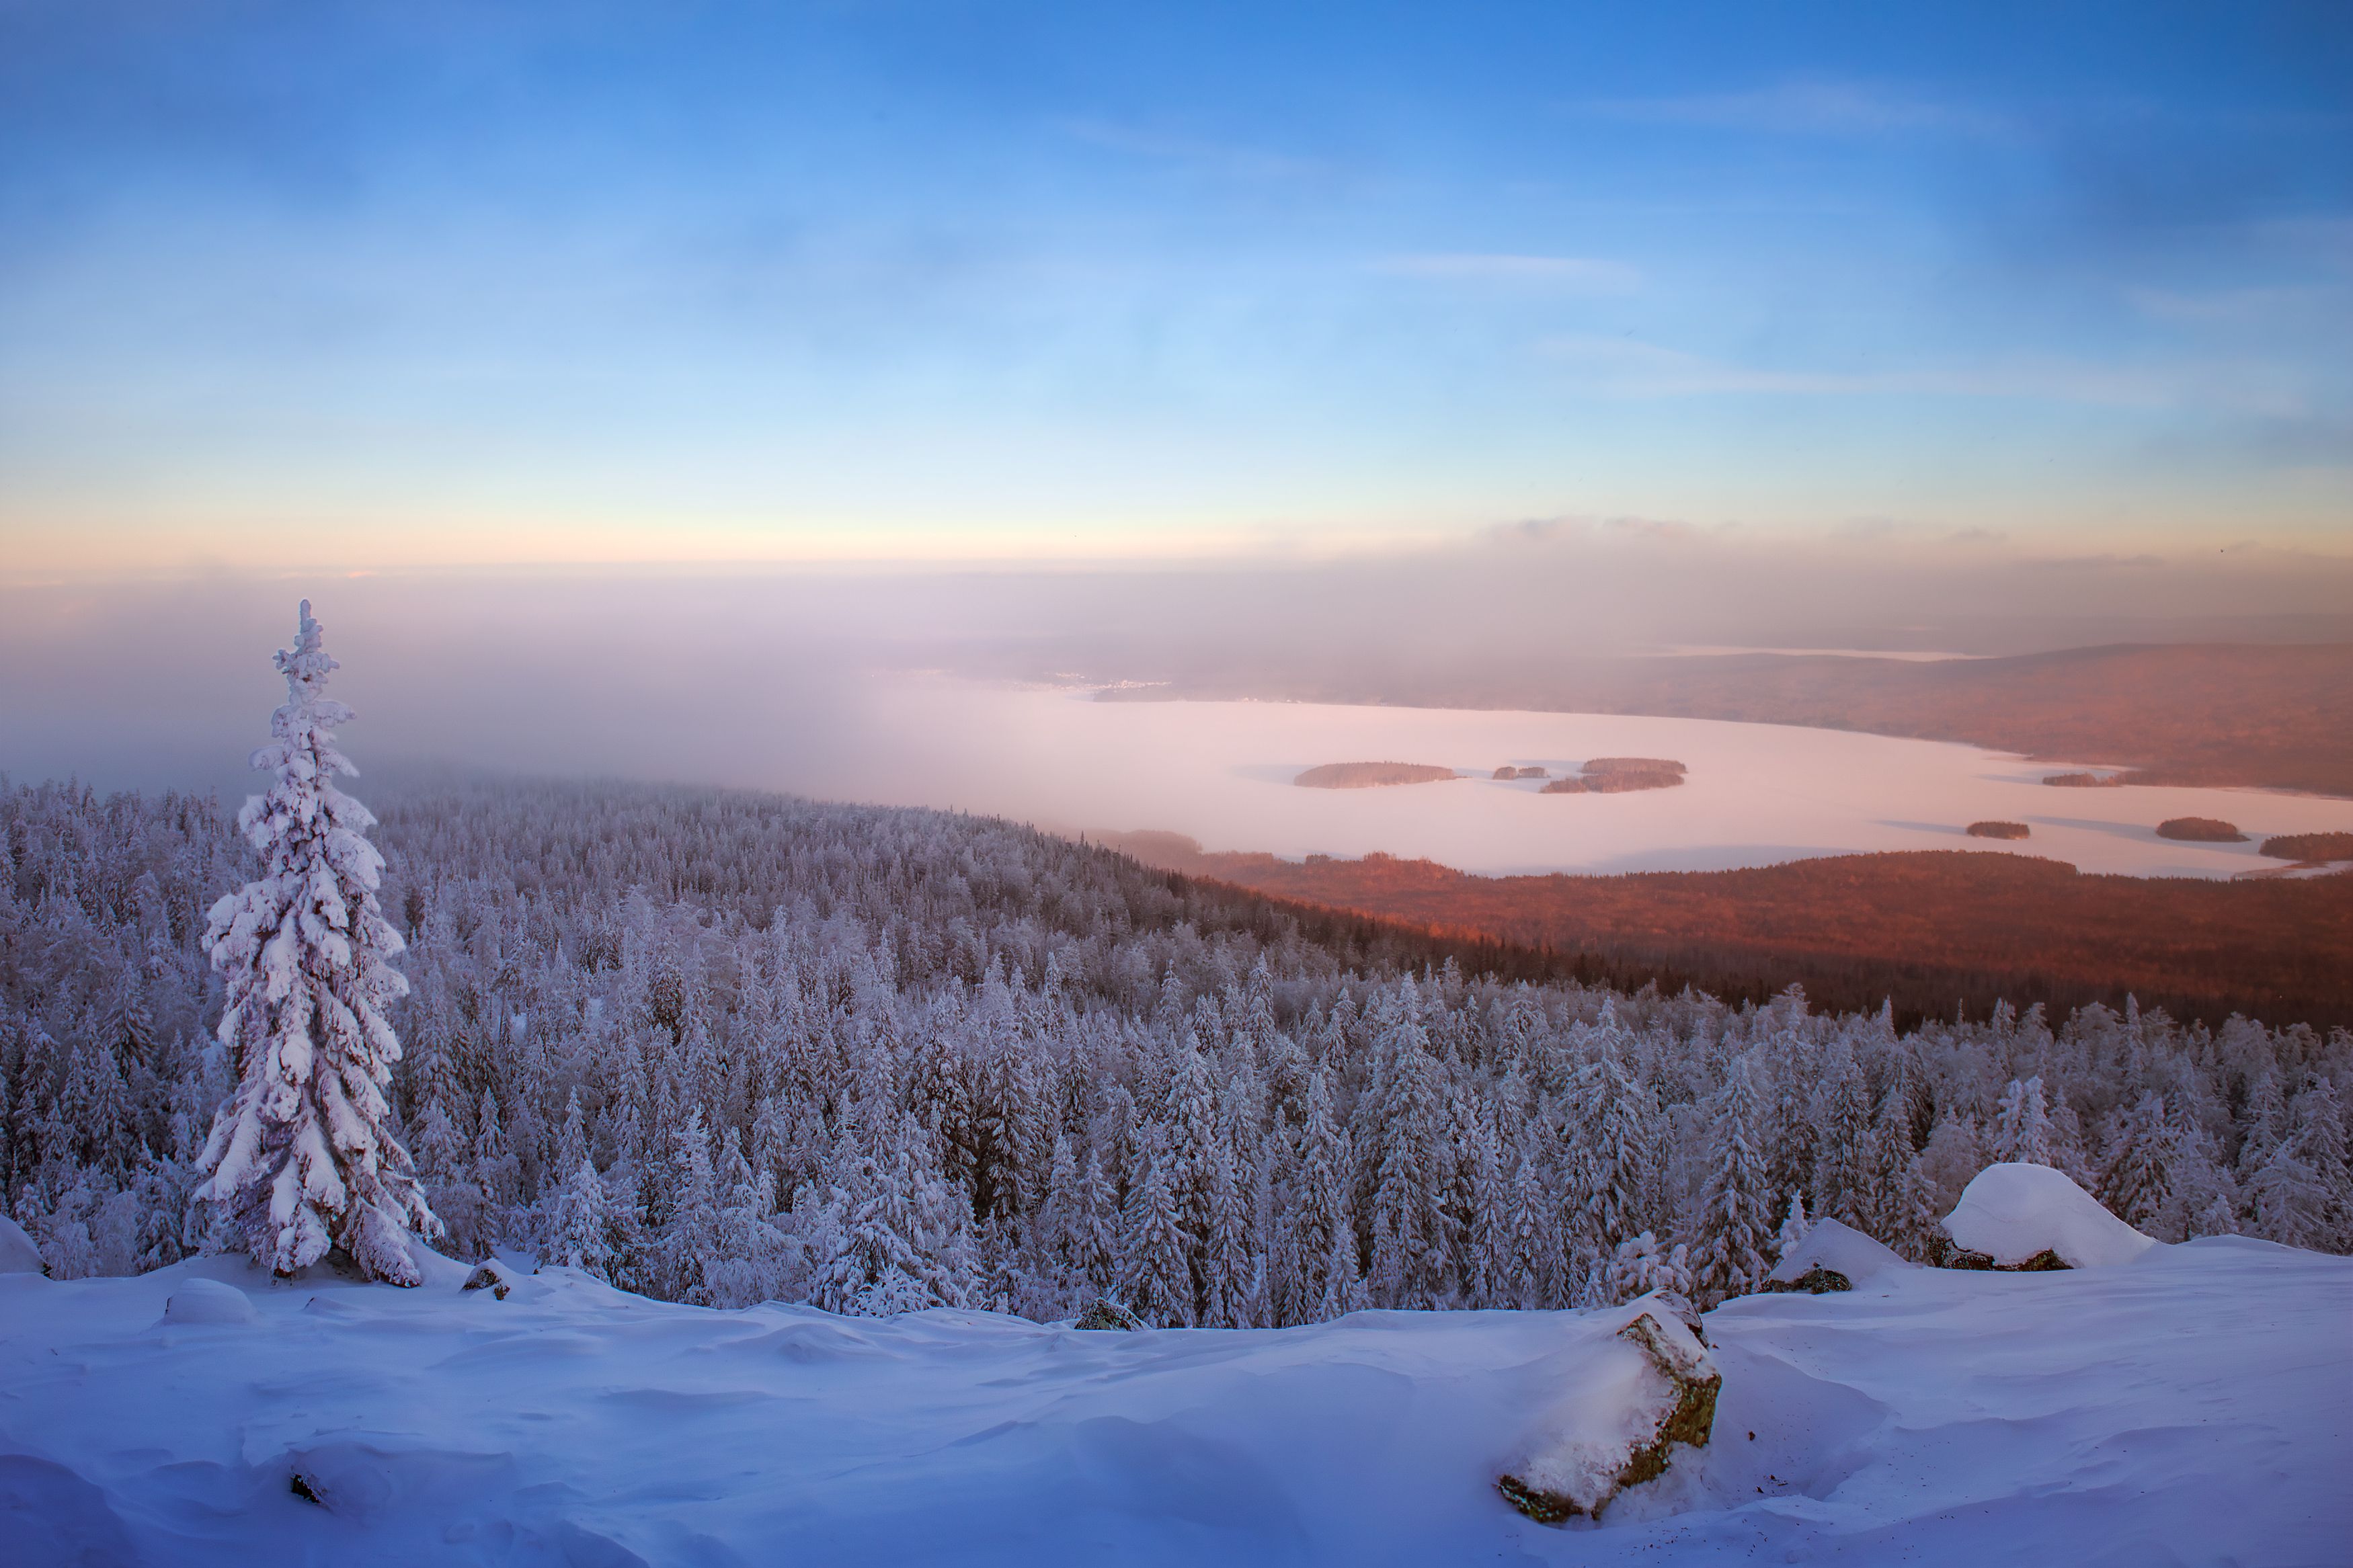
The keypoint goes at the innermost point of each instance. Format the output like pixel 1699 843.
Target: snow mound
pixel 2015 1212
pixel 18 1253
pixel 1842 1250
pixel 1941 1418
pixel 201 1300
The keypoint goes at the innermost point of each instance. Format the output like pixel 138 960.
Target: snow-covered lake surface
pixel 2188 1407
pixel 1758 794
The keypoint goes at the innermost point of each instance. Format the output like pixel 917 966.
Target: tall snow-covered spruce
pixel 302 1154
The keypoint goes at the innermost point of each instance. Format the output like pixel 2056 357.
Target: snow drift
pixel 18 1253
pixel 2102 1416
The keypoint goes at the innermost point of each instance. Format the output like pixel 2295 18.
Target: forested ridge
pixel 721 1047
pixel 1929 928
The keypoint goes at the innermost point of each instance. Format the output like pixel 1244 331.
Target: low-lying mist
pixel 752 676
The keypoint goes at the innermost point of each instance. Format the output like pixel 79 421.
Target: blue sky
pixel 399 285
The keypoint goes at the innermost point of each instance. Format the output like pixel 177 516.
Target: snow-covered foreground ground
pixel 1758 794
pixel 2191 1406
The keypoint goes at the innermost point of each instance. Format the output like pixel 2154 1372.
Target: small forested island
pixel 2085 781
pixel 1509 771
pixel 2200 830
pixel 1619 775
pixel 1370 775
pixel 2311 848
pixel 1998 830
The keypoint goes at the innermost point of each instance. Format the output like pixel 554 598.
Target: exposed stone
pixel 1687 1414
pixel 1684 1312
pixel 1693 1420
pixel 1815 1281
pixel 1544 1507
pixel 488 1277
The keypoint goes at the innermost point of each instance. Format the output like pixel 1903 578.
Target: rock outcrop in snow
pixel 490 1276
pixel 1616 1424
pixel 1834 1249
pixel 2024 1217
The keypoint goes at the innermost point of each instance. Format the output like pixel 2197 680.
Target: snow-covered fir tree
pixel 935 1058
pixel 302 1155
pixel 1636 1267
pixel 1794 1223
pixel 1734 1219
pixel 579 1223
pixel 2022 1129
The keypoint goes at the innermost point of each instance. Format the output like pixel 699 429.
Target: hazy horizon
pixel 695 675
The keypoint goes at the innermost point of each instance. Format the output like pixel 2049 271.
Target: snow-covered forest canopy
pixel 721 1047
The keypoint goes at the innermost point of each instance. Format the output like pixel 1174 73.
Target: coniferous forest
pixel 721 1047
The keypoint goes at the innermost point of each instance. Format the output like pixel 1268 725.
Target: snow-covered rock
pixel 1642 1384
pixel 18 1255
pixel 1937 1418
pixel 490 1276
pixel 2014 1214
pixel 201 1300
pixel 1842 1249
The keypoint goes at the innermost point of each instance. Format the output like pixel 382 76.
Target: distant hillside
pixel 1924 928
pixel 2191 714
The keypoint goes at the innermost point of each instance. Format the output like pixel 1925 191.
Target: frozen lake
pixel 1758 794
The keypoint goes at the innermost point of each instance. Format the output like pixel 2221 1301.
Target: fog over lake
pixel 1757 793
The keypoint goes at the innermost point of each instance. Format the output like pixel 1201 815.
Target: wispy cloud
pixel 1577 274
pixel 1811 107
